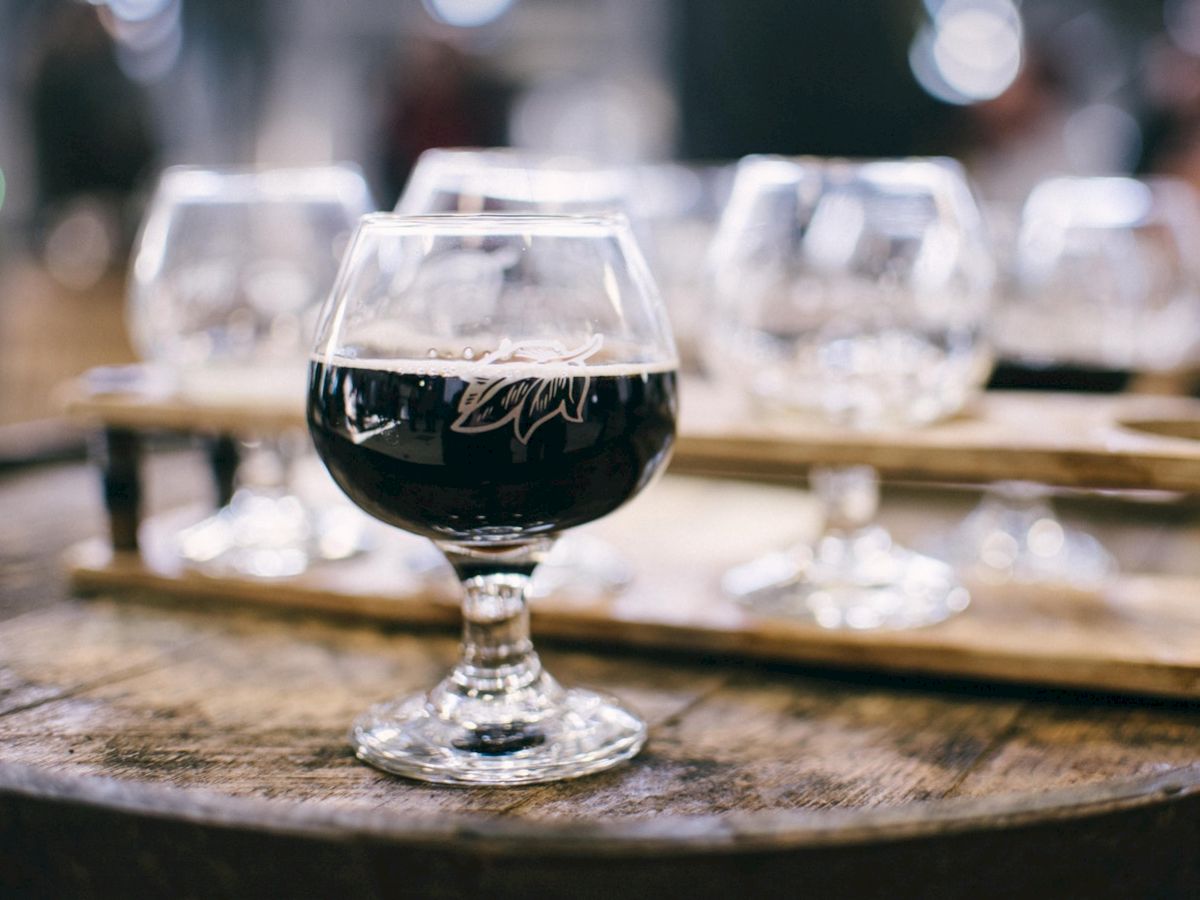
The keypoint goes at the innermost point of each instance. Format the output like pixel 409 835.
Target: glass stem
pixel 1022 494
pixel 270 463
pixel 497 655
pixel 287 448
pixel 849 496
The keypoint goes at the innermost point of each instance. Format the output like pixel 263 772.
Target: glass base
pixel 1012 538
pixel 860 581
pixel 550 735
pixel 272 534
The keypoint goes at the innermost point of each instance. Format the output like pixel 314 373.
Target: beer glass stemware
pixel 489 381
pixel 1101 286
pixel 853 293
pixel 230 270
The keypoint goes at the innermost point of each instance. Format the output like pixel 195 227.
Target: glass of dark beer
pixel 488 382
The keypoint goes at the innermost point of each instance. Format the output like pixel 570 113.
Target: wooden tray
pixel 1127 441
pixel 1140 635
pixel 1067 440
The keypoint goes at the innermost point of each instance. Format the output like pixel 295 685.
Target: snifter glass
pixel 487 382
pixel 228 277
pixel 1101 286
pixel 853 292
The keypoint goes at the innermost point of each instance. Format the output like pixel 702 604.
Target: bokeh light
pixel 80 244
pixel 148 34
pixel 138 10
pixel 1182 21
pixel 467 13
pixel 970 51
pixel 623 119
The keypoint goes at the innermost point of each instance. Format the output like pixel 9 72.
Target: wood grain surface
pixel 1068 440
pixel 1138 634
pixel 169 750
pixel 49 332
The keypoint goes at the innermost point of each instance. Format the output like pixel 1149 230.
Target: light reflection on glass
pixel 80 245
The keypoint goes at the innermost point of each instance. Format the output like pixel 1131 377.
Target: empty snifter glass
pixel 487 382
pixel 1104 277
pixel 856 292
pixel 1102 285
pixel 229 273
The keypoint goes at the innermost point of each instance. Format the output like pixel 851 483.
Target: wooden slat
pixel 1127 441
pixel 152 406
pixel 1140 634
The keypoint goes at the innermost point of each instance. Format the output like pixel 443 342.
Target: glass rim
pixel 259 168
pixel 809 159
pixel 1167 184
pixel 494 223
pixel 516 158
pixel 260 183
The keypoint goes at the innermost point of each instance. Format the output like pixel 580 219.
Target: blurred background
pixel 97 97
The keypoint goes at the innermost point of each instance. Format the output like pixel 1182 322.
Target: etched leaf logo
pixel 528 401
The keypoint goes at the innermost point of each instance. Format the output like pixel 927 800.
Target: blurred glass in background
pixel 1100 287
pixel 854 293
pixel 230 270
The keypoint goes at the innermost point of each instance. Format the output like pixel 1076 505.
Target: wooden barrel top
pixel 200 750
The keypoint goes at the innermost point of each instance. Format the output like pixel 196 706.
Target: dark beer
pixel 1019 375
pixel 469 453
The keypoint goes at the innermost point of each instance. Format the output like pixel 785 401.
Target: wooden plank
pixel 1140 634
pixel 99 652
pixel 1113 736
pixel 147 403
pixel 759 745
pixel 49 332
pixel 1126 441
pixel 255 709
